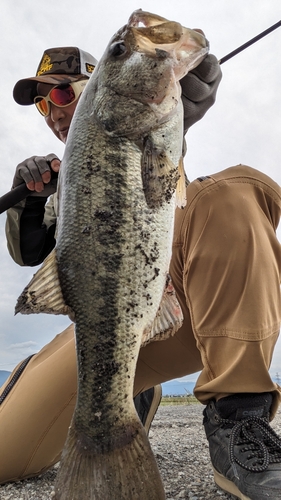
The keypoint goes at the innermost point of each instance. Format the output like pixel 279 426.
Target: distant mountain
pixel 3 376
pixel 177 388
pixel 181 388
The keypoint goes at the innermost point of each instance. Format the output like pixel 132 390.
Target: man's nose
pixel 56 112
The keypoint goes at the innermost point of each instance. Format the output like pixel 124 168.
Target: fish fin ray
pixel 181 186
pixel 159 174
pixel 128 470
pixel 43 293
pixel 168 319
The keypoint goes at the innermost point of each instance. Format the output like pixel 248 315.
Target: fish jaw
pixel 147 18
pixel 187 45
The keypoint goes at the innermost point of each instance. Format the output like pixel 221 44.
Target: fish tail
pixel 123 472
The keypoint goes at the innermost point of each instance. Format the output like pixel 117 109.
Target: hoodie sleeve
pixel 30 230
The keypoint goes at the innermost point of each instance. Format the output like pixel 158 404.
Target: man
pixel 226 272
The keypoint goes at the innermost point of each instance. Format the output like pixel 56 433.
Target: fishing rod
pixel 250 42
pixel 19 193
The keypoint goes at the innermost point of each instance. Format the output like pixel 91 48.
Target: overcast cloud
pixel 243 126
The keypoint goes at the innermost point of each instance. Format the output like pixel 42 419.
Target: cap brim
pixel 25 90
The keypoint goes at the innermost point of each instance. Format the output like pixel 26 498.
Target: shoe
pixel 245 451
pixel 146 404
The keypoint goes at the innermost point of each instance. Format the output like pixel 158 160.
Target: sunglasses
pixel 60 95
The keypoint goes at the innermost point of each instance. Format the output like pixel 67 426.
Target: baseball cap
pixel 57 66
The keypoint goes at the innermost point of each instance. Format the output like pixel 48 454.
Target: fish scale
pixel 116 203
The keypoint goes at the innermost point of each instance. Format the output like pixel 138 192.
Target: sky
pixel 243 126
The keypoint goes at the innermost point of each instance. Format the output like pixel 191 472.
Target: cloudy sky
pixel 243 126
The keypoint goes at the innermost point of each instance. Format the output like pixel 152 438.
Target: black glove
pixel 199 88
pixel 32 169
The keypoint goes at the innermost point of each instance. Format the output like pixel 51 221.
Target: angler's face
pixel 59 118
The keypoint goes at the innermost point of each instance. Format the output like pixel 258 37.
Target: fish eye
pixel 117 49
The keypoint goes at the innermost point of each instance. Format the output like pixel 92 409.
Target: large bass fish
pixel 117 196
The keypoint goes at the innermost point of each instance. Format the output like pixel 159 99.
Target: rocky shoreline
pixel 180 446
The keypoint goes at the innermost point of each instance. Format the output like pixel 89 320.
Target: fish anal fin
pixel 43 293
pixel 159 174
pixel 169 317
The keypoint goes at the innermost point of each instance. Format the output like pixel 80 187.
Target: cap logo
pixel 90 67
pixel 45 65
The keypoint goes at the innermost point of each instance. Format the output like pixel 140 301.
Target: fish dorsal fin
pixel 159 174
pixel 168 319
pixel 43 293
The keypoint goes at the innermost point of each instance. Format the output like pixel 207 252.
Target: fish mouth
pixel 158 37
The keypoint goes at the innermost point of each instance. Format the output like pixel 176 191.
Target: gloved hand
pixel 199 88
pixel 36 172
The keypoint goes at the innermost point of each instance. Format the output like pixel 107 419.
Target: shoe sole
pixel 153 407
pixel 228 486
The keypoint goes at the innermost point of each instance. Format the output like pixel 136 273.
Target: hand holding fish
pixel 199 88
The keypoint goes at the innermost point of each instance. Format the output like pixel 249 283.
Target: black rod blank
pixel 250 42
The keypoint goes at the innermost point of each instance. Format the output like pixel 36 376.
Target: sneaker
pixel 146 404
pixel 245 451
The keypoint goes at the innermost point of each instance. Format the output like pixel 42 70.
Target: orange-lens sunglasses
pixel 60 95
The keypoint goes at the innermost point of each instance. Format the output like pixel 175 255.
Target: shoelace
pixel 259 439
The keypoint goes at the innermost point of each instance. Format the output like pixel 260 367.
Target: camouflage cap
pixel 57 66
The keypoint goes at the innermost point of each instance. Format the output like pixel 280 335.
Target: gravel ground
pixel 178 441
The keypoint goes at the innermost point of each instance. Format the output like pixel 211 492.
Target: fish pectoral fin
pixel 169 317
pixel 43 293
pixel 181 186
pixel 159 174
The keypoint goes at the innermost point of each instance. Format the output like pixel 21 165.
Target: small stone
pixel 181 494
